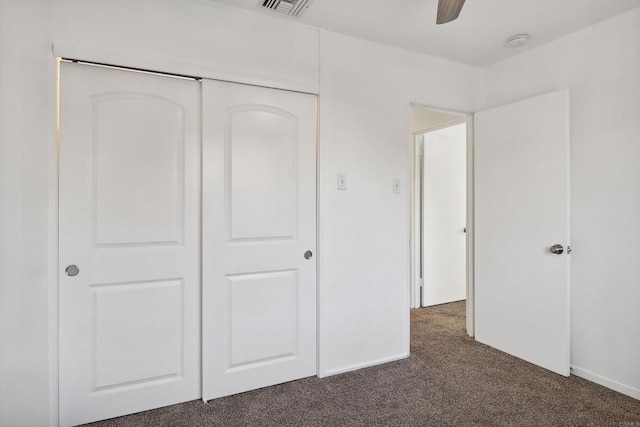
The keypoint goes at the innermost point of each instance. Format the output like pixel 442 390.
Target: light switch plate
pixel 342 181
pixel 396 186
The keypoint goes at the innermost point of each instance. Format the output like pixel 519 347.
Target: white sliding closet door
pixel 259 237
pixel 129 242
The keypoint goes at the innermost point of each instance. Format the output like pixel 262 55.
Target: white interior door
pixel 259 219
pixel 444 213
pixel 130 222
pixel 521 210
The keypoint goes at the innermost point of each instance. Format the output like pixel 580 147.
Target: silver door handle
pixel 72 270
pixel 308 255
pixel 556 249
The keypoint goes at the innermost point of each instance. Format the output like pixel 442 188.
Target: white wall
pixel 366 91
pixel 601 67
pixel 190 36
pixel 444 215
pixel 27 143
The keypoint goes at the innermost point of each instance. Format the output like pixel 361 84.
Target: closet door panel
pixel 129 284
pixel 259 221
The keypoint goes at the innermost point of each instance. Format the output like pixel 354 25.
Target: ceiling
pixel 477 37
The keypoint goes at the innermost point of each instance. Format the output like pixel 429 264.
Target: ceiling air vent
pixel 289 7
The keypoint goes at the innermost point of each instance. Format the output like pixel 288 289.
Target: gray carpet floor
pixel 449 380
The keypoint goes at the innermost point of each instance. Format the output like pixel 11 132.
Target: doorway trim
pixel 465 117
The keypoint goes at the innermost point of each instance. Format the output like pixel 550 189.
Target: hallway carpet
pixel 449 380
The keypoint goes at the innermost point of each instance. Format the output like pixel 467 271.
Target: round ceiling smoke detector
pixel 518 40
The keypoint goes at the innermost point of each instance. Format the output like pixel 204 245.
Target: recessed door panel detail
pixel 138 170
pixel 264 314
pixel 261 173
pixel 138 333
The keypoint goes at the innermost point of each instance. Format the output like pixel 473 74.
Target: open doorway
pixel 441 214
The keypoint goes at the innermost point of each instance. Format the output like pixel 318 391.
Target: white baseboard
pixel 362 365
pixel 606 382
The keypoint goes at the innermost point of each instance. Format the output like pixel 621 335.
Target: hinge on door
pixel 568 249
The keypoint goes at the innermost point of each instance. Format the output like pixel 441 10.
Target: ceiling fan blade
pixel 448 10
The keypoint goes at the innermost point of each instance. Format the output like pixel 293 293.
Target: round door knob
pixel 556 249
pixel 308 255
pixel 72 270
